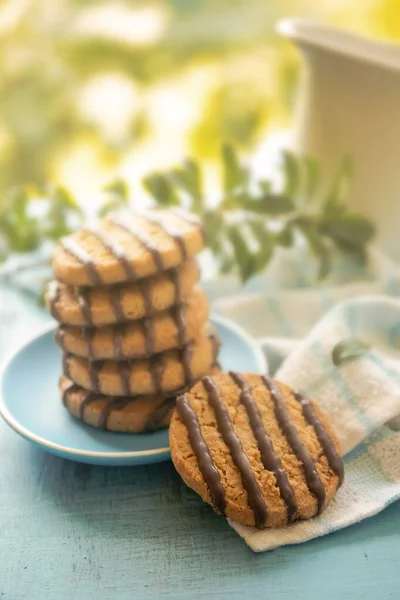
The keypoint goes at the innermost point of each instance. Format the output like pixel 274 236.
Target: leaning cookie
pixel 138 339
pixel 162 373
pixel 127 247
pixel 255 450
pixel 116 304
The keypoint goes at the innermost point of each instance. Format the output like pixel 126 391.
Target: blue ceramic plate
pixel 30 402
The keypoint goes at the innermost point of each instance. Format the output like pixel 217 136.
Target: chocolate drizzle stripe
pixel 88 335
pixel 71 388
pixel 178 315
pixel 155 418
pixel 115 249
pixel 115 296
pixel 149 335
pixel 147 297
pixel 334 460
pixel 87 399
pixel 85 306
pixel 144 238
pixel 176 282
pixel 53 297
pixel 125 376
pixel 113 404
pixel 83 257
pixel 269 459
pixel 65 365
pixel 157 371
pixel 171 231
pixel 94 368
pixel 186 360
pixel 289 430
pixel 240 459
pixel 189 218
pixel 202 453
pixel 118 339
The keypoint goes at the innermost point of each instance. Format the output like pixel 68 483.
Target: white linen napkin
pixel 361 399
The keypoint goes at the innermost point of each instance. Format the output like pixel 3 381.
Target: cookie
pixel 129 415
pixel 126 247
pixel 163 372
pixel 107 305
pixel 138 339
pixel 255 450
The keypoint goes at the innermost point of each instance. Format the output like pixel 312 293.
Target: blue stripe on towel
pixel 341 385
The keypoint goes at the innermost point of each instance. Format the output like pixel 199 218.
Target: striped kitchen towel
pixel 362 400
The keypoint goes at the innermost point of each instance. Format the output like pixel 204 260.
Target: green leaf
pixel 234 175
pixel 348 350
pixel 62 198
pixel 189 178
pixel 162 189
pixel 311 177
pixel 351 229
pixel 118 188
pixel 285 236
pixel 339 189
pixel 318 246
pixel 214 225
pixel 243 256
pixel 291 173
pixel 265 186
pixel 269 204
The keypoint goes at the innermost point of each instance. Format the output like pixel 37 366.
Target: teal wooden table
pixel 72 531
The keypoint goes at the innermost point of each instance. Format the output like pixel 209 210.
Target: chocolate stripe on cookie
pixel 202 453
pixel 113 404
pixel 170 230
pixel 94 368
pixel 270 460
pixel 116 250
pixel 178 315
pixel 143 238
pixel 289 430
pixel 53 292
pixel 118 338
pixel 87 399
pixel 115 297
pixel 88 335
pixel 189 218
pixel 186 359
pixel 84 305
pixel 71 387
pixel 74 249
pixel 124 377
pixel 157 371
pixel 65 365
pixel 154 420
pixel 176 282
pixel 238 456
pixel 334 460
pixel 149 335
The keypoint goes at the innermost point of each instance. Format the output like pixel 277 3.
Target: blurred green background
pixel 91 90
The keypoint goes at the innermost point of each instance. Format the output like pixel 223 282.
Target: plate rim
pixel 60 449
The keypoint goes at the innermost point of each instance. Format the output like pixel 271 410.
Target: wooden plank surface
pixel 72 531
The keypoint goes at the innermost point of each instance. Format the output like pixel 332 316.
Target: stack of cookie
pixel 133 324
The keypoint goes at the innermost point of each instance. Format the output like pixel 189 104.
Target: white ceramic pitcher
pixel 349 104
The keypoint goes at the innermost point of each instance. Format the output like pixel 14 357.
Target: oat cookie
pixel 116 304
pixel 127 247
pixel 138 339
pixel 161 373
pixel 258 452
